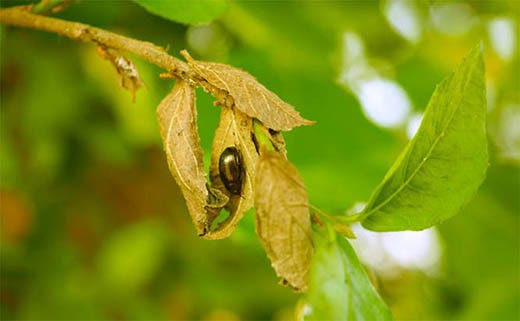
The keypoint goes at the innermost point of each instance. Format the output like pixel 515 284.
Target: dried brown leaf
pixel 283 219
pixel 177 117
pixel 278 142
pixel 235 129
pixel 249 96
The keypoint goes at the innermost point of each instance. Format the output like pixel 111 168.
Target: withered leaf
pixel 275 138
pixel 278 142
pixel 249 96
pixel 283 219
pixel 177 117
pixel 216 198
pixel 235 129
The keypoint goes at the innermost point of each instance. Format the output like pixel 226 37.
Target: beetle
pixel 231 170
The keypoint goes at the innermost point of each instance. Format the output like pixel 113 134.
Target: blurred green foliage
pixel 186 11
pixel 93 226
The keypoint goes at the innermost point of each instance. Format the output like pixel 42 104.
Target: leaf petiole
pixel 340 223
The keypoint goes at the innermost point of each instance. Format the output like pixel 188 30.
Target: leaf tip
pixel 309 122
pixel 477 52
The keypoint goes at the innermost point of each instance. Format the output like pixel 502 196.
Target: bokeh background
pixel 94 228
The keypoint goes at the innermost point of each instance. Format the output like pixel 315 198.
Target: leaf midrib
pixel 428 154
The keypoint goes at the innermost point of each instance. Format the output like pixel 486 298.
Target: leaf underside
pixel 177 118
pixel 446 161
pixel 283 219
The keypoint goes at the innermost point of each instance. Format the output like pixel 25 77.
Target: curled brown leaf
pixel 249 96
pixel 177 117
pixel 278 142
pixel 283 219
pixel 234 130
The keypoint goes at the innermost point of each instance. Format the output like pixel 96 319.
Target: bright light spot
pixel 414 250
pixel 507 135
pixel 384 102
pixel 307 310
pixel 391 252
pixel 370 250
pixel 454 19
pixel 502 34
pixel 413 125
pixel 356 208
pixel 404 19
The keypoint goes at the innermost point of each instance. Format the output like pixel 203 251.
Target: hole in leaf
pixel 207 120
pixel 222 217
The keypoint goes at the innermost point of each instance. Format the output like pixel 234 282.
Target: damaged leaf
pixel 126 69
pixel 177 117
pixel 278 142
pixel 268 138
pixel 216 198
pixel 248 95
pixel 234 130
pixel 283 219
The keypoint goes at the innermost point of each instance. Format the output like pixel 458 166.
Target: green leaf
pixel 339 287
pixel 328 294
pixel 192 12
pixel 366 304
pixel 446 161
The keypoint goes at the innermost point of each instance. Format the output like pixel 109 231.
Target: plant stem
pixel 344 219
pixel 22 17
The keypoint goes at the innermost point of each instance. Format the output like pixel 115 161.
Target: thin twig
pixel 22 17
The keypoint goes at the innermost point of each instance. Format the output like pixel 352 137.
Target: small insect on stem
pixel 231 170
pixel 126 69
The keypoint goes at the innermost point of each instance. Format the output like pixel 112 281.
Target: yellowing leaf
pixel 248 95
pixel 234 130
pixel 283 219
pixel 177 117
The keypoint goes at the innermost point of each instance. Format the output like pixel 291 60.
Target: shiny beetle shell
pixel 230 170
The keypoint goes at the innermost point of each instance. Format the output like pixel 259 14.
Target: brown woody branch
pixel 22 17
